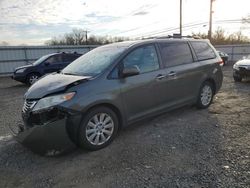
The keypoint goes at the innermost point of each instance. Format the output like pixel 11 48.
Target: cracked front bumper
pixel 50 137
pixel 242 72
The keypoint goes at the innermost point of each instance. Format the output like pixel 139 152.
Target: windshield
pixel 40 60
pixel 94 62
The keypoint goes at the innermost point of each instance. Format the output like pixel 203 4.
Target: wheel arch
pixel 212 81
pixel 33 72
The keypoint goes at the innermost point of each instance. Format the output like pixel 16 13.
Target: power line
pixel 187 27
pixel 132 13
pixel 137 28
pixel 169 29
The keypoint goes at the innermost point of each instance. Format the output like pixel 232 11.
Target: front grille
pixel 242 68
pixel 28 105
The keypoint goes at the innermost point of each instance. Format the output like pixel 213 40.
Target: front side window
pixel 145 58
pixel 203 50
pixel 40 60
pixel 174 54
pixel 54 59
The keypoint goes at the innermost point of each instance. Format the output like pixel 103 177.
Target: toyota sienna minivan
pixel 114 85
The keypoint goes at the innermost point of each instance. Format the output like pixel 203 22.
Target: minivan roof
pixel 127 44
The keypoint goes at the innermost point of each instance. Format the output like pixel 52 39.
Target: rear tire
pixel 97 129
pixel 206 95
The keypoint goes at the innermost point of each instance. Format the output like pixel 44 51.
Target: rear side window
pixel 203 50
pixel 175 54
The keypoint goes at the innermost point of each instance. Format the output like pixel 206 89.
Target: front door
pixel 53 64
pixel 138 92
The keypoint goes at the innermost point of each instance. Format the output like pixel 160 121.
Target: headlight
pixel 52 101
pixel 20 70
pixel 236 67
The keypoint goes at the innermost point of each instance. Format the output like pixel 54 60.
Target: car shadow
pixel 16 86
pixel 171 140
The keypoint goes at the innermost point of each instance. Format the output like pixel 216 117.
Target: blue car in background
pixel 46 64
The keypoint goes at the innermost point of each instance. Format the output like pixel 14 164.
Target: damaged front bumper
pixel 49 132
pixel 242 72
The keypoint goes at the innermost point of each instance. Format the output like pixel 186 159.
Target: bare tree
pixel 78 37
pixel 219 37
pixel 4 43
pixel 246 20
pixel 200 35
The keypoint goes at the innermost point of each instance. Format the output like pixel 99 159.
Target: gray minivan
pixel 115 85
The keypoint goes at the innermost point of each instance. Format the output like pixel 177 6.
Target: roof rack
pixel 69 52
pixel 177 36
pixel 174 36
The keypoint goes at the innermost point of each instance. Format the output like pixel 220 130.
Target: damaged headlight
pixel 52 101
pixel 20 70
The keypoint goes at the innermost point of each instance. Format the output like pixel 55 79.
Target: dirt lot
pixel 183 148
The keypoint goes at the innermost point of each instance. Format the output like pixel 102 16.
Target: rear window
pixel 203 50
pixel 175 53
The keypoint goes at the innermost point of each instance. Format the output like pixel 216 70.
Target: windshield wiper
pixel 69 73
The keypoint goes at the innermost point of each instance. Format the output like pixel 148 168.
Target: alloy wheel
pixel 206 95
pixel 33 79
pixel 99 129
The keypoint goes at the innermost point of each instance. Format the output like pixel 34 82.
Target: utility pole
pixel 180 17
pixel 86 37
pixel 210 20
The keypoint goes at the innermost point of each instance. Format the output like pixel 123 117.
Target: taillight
pixel 221 63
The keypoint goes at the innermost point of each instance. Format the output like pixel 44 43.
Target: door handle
pixel 172 74
pixel 160 77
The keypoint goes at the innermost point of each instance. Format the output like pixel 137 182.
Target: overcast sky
pixel 33 22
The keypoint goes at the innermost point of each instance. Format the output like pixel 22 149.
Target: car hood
pixel 52 83
pixel 243 62
pixel 25 66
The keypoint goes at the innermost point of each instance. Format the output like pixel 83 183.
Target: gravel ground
pixel 184 148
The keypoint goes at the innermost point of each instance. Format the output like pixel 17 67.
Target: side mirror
pixel 46 63
pixel 130 71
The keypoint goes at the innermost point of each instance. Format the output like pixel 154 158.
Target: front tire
pixel 32 78
pixel 237 78
pixel 206 95
pixel 98 129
